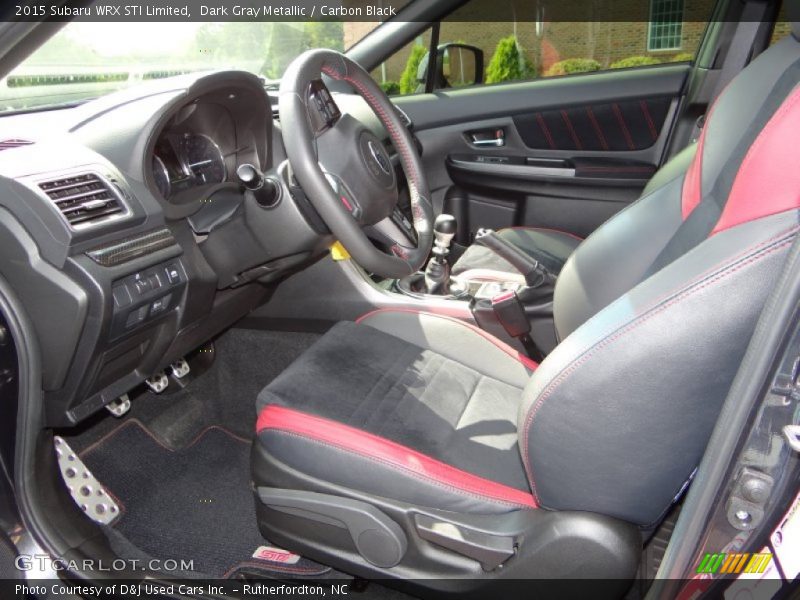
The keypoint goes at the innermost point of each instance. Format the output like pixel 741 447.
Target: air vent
pixel 14 143
pixel 83 199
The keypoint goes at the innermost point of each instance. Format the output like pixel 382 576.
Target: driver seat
pixel 415 446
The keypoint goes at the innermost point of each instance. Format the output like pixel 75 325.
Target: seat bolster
pixel 297 445
pixel 604 267
pixel 623 441
pixel 456 340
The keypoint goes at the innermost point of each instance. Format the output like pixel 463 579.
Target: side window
pixel 404 72
pixel 495 41
pixel 782 25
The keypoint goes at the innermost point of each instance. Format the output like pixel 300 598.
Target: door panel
pixel 614 126
pixel 575 150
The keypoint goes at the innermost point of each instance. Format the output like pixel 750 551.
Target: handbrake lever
pixel 534 272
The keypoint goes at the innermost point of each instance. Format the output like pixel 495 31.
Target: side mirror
pixel 457 65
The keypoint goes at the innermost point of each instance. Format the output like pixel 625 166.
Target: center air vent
pixel 83 199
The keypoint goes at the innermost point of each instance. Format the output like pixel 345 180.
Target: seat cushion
pixel 387 407
pixel 550 247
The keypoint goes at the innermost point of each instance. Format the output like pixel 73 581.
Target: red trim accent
pixel 768 180
pixel 623 126
pixel 395 455
pixel 545 130
pixel 528 363
pixel 551 229
pixel 572 132
pixel 346 203
pixel 502 296
pixel 691 193
pixel 647 117
pixel 597 129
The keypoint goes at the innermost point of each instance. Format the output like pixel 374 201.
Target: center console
pixel 517 309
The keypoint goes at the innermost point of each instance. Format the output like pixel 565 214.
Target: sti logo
pixel 724 563
pixel 278 555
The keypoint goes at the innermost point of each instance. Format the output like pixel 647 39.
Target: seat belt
pixel 739 52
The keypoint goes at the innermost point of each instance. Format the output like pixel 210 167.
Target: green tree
pixel 509 62
pixel 324 34
pixel 408 80
pixel 390 88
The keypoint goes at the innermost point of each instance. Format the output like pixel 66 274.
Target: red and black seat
pixel 414 446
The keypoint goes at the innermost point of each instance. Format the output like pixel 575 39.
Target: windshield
pixel 87 60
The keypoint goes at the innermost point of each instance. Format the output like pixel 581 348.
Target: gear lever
pixel 437 273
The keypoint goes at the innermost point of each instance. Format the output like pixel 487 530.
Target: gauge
pixel 161 177
pixel 204 159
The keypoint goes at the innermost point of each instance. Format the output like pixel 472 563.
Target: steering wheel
pixel 345 170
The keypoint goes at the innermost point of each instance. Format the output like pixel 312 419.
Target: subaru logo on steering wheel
pixel 379 157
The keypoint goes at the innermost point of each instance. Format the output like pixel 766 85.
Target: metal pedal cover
pixel 119 406
pixel 158 382
pixel 180 368
pixel 86 491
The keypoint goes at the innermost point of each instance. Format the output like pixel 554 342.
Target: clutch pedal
pixel 119 406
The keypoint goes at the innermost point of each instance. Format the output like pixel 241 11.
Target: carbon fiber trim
pixel 132 247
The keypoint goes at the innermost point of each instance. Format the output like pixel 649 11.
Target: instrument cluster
pixel 182 161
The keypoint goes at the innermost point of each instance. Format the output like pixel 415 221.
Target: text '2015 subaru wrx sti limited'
pixel 400 299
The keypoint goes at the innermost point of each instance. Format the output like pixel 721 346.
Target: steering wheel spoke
pixel 356 189
pixel 396 233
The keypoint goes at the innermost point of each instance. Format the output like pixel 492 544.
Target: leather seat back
pixel 655 308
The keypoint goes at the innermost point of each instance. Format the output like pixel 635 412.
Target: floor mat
pixel 194 503
pixel 245 361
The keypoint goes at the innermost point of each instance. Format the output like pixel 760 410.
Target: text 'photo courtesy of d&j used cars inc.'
pixel 400 299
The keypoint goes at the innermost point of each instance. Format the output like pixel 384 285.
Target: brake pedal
pixel 119 406
pixel 158 382
pixel 88 493
pixel 180 368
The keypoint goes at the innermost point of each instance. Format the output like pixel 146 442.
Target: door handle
pixel 495 142
pixel 489 137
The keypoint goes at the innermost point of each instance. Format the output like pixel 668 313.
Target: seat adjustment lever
pixel 377 538
pixel 488 549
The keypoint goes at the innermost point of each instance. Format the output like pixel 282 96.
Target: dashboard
pixel 128 237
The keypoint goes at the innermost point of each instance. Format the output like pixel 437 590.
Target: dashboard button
pixel 136 317
pixel 122 295
pixel 142 286
pixel 173 274
pixel 160 305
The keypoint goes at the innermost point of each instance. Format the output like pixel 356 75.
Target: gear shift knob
pixel 437 274
pixel 444 228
